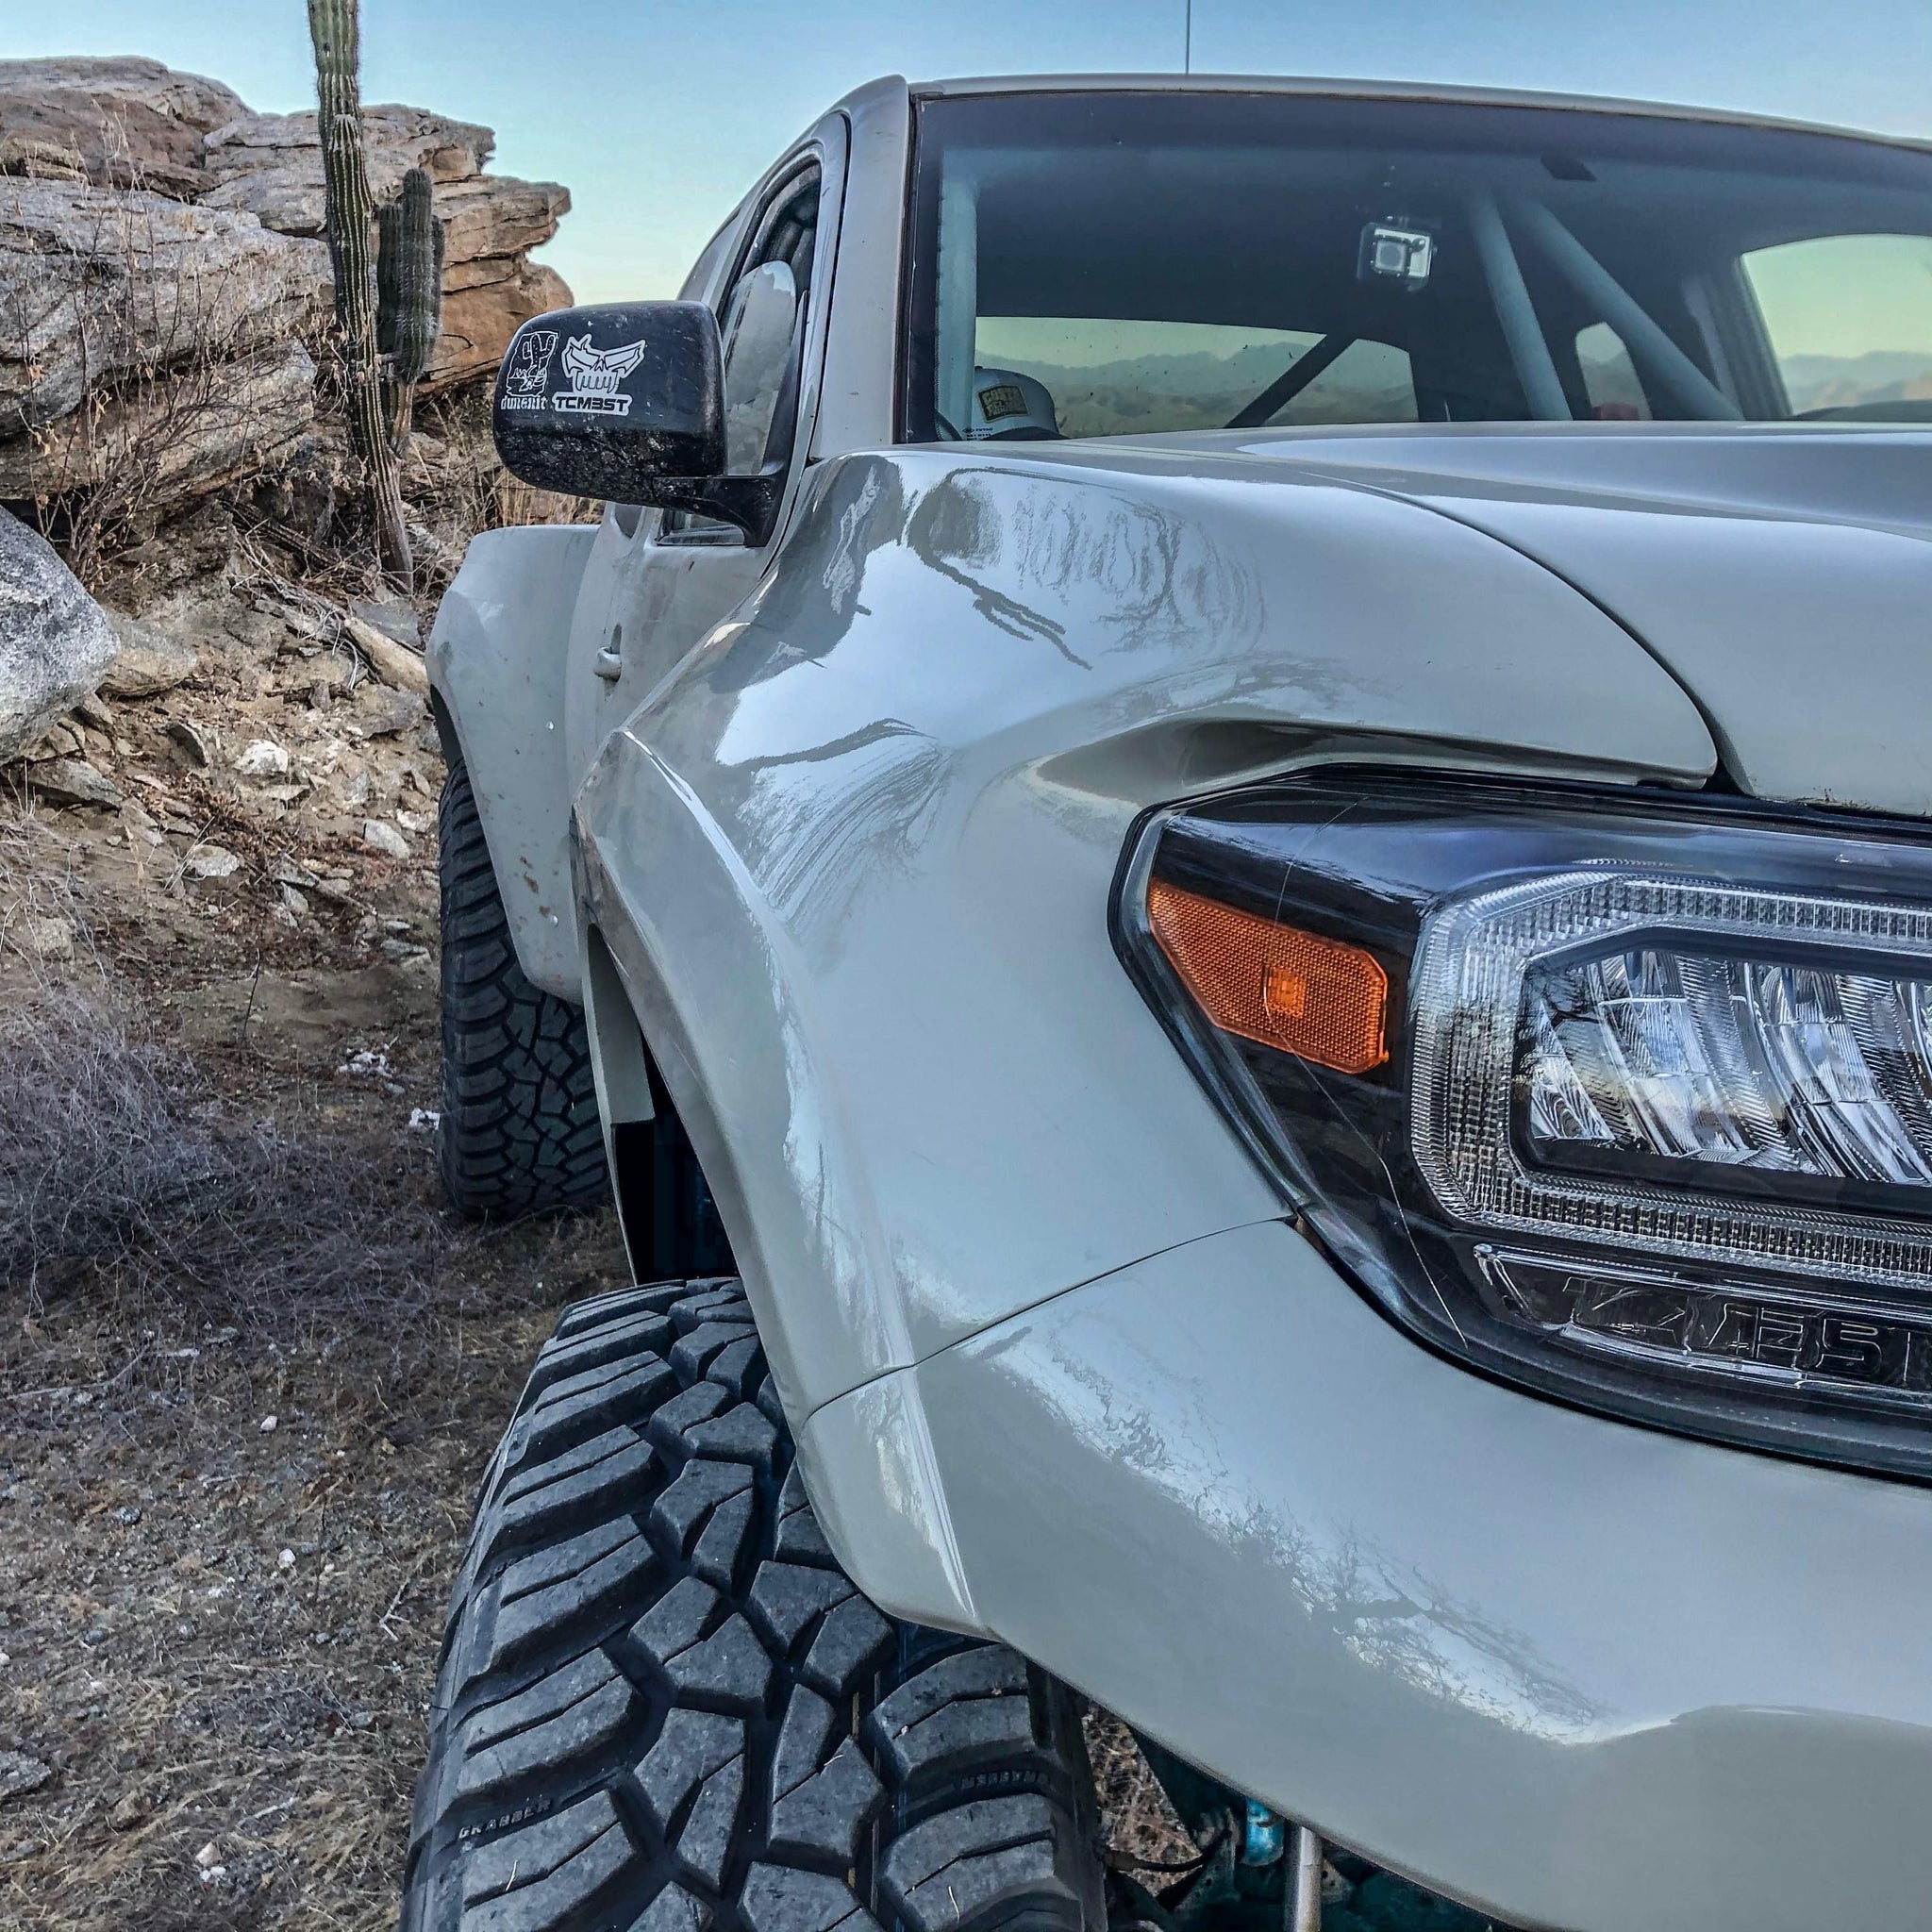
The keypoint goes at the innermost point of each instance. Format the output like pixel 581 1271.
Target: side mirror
pixel 626 401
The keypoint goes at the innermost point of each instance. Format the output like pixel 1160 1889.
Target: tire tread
pixel 520 1133
pixel 663 1708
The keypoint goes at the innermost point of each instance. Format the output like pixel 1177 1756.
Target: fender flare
pixel 868 1460
pixel 497 664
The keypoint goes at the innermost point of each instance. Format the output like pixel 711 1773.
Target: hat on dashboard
pixel 1008 406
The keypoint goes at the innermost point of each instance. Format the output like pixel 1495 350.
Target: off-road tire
pixel 662 1706
pixel 520 1133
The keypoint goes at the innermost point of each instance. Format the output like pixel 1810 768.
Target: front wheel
pixel 520 1133
pixel 663 1706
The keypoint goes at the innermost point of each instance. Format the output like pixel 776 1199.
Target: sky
pixel 657 114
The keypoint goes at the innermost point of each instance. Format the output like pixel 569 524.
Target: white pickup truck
pixel 1225 847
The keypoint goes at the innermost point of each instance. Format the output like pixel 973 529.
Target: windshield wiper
pixel 1291 382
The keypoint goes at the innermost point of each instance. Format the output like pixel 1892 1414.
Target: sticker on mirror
pixel 529 362
pixel 594 376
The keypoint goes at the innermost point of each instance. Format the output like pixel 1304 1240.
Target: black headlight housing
pixel 1647 1128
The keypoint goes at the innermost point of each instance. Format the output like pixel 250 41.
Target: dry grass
pixel 220 1635
pixel 118 1154
pixel 1136 1820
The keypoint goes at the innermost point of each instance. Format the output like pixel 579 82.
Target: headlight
pixel 1619 1097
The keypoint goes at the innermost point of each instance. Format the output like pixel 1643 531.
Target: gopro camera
pixel 1399 251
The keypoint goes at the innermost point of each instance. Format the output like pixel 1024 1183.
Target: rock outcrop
pixel 117 123
pixel 188 431
pixel 479 319
pixel 163 283
pixel 56 643
pixel 490 286
pixel 99 286
pixel 270 165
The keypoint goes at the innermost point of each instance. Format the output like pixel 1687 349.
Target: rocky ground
pixel 249 1371
pixel 249 1368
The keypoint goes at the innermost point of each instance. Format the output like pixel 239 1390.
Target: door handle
pixel 609 661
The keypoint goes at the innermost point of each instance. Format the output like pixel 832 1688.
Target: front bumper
pixel 1574 1673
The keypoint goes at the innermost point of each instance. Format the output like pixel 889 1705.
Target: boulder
pixel 398 666
pixel 478 322
pixel 262 757
pixel 270 165
pixel 74 781
pixel 380 836
pixel 147 659
pixel 115 122
pixel 180 435
pixel 381 711
pixel 56 641
pixel 495 216
pixel 98 285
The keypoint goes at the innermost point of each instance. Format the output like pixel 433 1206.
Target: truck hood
pixel 1783 576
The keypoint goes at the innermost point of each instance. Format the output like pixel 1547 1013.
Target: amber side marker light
pixel 1316 998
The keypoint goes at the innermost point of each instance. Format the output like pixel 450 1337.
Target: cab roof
pixel 1341 88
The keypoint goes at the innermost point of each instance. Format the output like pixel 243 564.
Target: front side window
pixel 1118 264
pixel 763 330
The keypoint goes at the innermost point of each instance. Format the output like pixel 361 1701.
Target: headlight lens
pixel 1660 1054
pixel 1590 1048
pixel 1627 1100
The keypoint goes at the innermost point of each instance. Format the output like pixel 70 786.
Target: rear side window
pixel 1610 383
pixel 1849 321
pixel 763 330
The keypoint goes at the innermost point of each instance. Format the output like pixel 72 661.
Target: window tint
pixel 1849 319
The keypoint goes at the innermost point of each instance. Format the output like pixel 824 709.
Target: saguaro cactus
pixel 409 296
pixel 349 214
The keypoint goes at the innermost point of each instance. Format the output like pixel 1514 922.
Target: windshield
pixel 1100 264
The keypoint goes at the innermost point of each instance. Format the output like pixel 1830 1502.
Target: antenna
pixel 1188 39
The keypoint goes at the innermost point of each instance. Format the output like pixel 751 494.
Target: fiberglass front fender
pixel 862 845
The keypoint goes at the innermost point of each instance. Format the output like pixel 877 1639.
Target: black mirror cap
pixel 612 400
